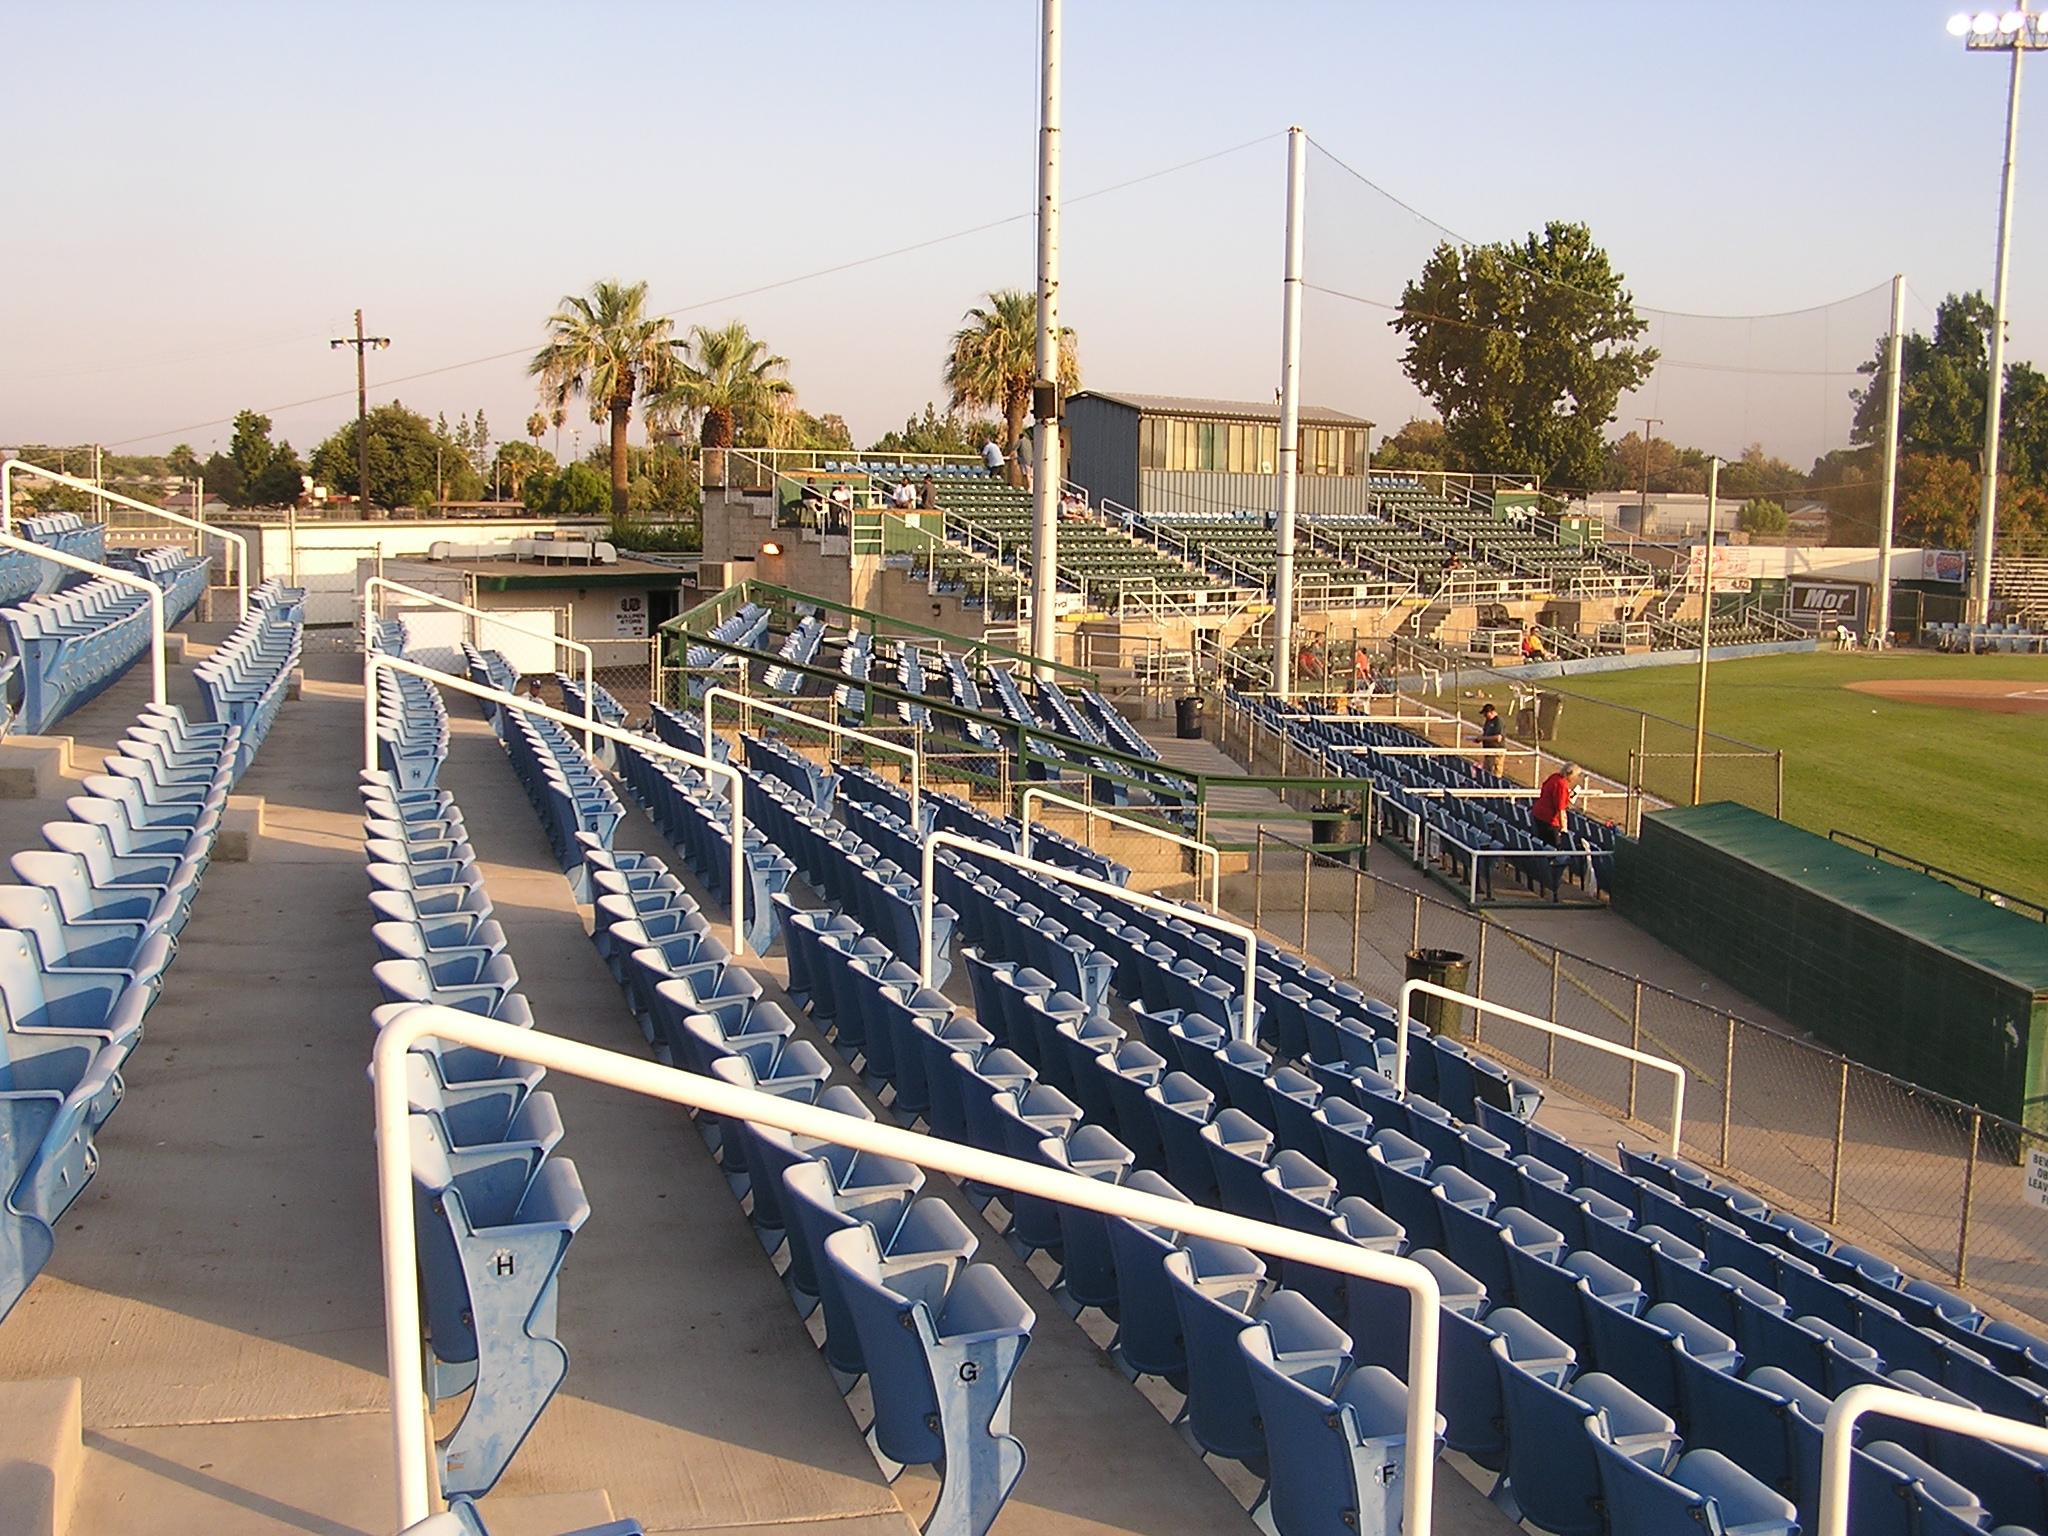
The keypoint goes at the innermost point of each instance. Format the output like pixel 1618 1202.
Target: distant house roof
pixel 1222 410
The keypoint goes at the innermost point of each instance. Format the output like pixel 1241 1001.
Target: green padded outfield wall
pixel 1894 969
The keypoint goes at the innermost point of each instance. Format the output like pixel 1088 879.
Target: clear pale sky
pixel 454 169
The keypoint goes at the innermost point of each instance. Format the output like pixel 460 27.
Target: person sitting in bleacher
pixel 904 497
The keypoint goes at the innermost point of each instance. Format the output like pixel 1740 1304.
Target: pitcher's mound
pixel 2001 696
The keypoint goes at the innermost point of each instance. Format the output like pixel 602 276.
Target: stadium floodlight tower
pixel 2014 32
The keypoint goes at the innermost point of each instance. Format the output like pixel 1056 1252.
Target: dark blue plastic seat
pixel 1683 1495
pixel 1149 1339
pixel 1219 1290
pixel 1336 1433
pixel 1180 1108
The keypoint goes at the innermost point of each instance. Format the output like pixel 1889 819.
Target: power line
pixel 744 293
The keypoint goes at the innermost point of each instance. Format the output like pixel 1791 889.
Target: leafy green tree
pixel 266 474
pixel 402 446
pixel 607 349
pixel 576 491
pixel 1417 446
pixel 182 462
pixel 517 462
pixel 223 478
pixel 1760 516
pixel 1524 349
pixel 1757 473
pixel 789 427
pixel 1937 500
pixel 664 485
pixel 729 380
pixel 1673 471
pixel 934 433
pixel 994 361
pixel 1942 380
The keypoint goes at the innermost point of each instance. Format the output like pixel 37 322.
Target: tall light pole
pixel 1290 419
pixel 2014 32
pixel 1893 358
pixel 1699 730
pixel 364 345
pixel 1045 389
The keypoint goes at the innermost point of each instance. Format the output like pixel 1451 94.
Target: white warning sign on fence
pixel 2037 1176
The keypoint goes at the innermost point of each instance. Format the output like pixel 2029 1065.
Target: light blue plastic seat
pixel 941 1351
pixel 489 1261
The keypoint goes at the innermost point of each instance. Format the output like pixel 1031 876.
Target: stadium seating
pixel 86 940
pixel 495 1209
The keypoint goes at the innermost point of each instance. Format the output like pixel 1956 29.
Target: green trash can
pixel 1443 968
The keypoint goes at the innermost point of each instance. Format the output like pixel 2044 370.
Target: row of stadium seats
pixel 495 1209
pixel 953 1073
pixel 1789 1341
pixel 72 646
pixel 87 936
pixel 1457 832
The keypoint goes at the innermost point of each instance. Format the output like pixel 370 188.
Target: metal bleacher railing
pixel 375 661
pixel 377 588
pixel 410 1430
pixel 102 497
pixel 1932 1180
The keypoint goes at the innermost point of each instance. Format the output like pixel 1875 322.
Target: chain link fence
pixel 1936 1185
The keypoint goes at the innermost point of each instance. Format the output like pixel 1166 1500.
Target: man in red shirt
pixel 1554 803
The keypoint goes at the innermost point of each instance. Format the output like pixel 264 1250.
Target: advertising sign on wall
pixel 629 616
pixel 1943 565
pixel 1824 604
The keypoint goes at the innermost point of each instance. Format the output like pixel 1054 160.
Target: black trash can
pixel 1444 968
pixel 1187 718
pixel 1548 707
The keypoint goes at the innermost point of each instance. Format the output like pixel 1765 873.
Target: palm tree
pixel 995 360
pixel 606 348
pixel 732 378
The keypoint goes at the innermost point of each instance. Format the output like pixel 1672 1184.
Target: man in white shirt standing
pixel 992 456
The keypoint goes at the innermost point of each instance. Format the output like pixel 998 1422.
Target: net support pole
pixel 1045 501
pixel 1290 420
pixel 1889 506
pixel 1699 733
pixel 1994 390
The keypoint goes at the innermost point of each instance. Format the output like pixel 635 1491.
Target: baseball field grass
pixel 1962 788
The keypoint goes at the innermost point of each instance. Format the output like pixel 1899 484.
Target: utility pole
pixel 1893 355
pixel 1643 506
pixel 363 345
pixel 1699 733
pixel 1045 389
pixel 1290 419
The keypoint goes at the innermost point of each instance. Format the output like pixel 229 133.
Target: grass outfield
pixel 1961 788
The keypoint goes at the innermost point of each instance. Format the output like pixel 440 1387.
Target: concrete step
pixel 42 1452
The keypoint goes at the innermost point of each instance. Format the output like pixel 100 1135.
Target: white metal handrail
pixel 411 1430
pixel 912 755
pixel 12 467
pixel 372 660
pixel 1838 1439
pixel 377 584
pixel 1194 915
pixel 1548 1027
pixel 1051 797
pixel 143 584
